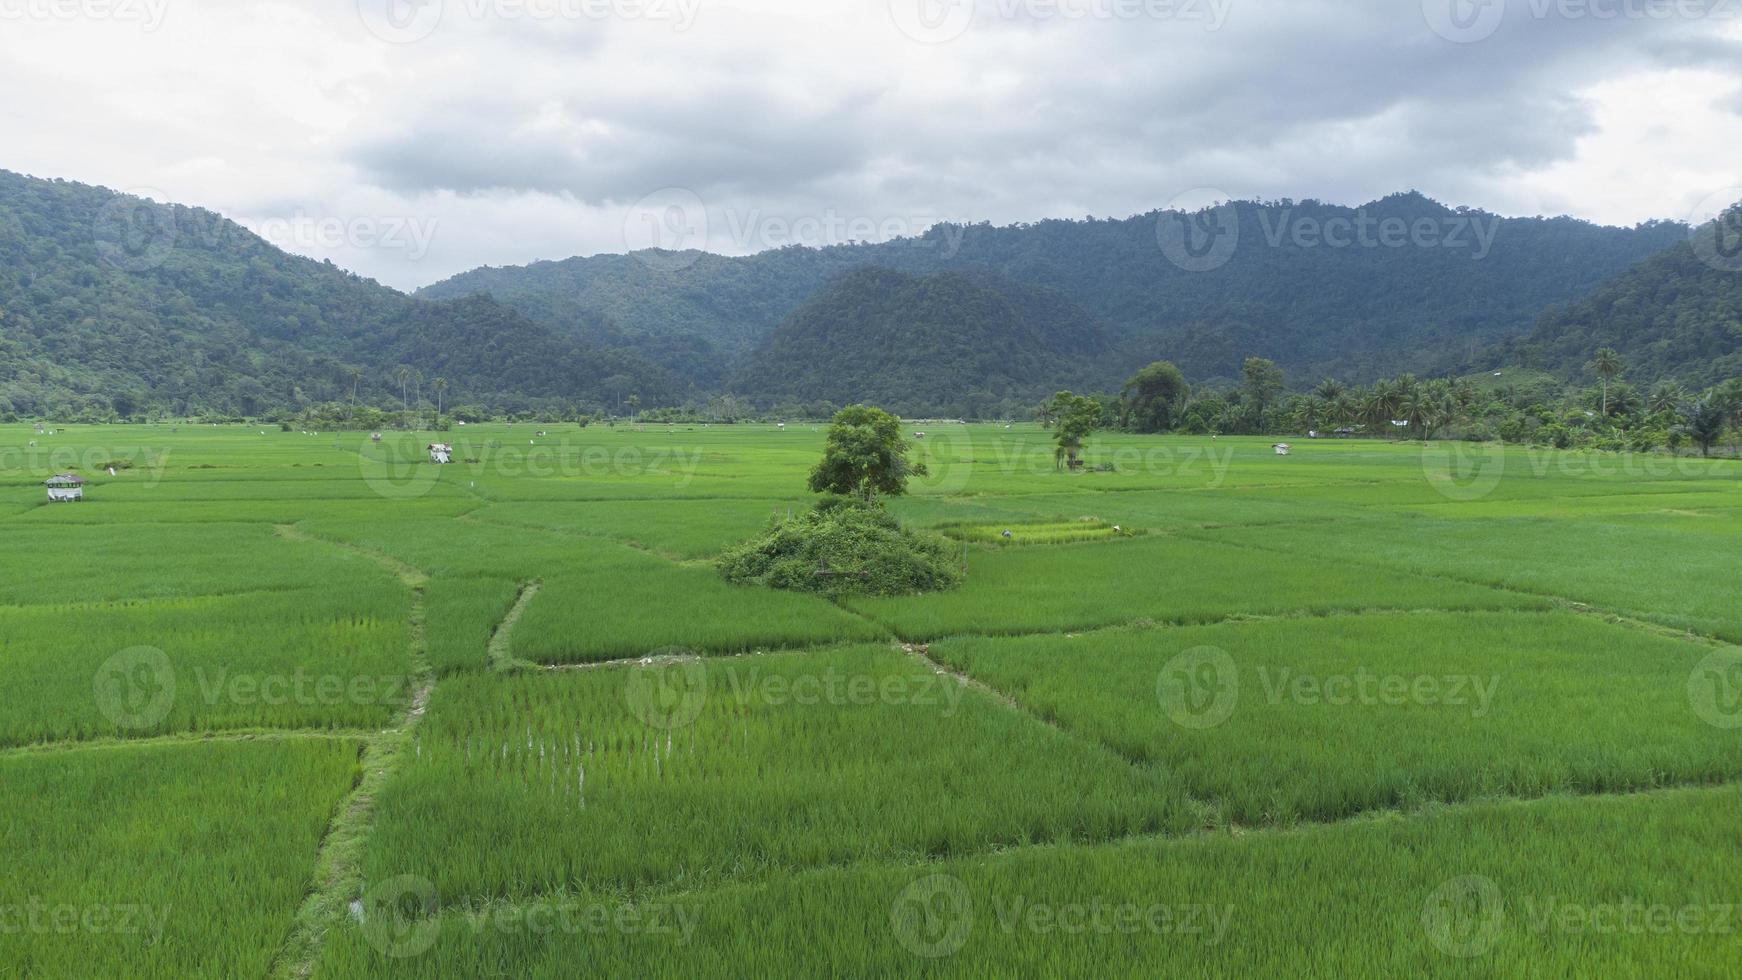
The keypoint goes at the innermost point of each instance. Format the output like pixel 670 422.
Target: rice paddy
pixel 1205 711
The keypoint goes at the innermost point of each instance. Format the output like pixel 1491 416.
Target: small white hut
pixel 65 486
pixel 441 452
pixel 1282 448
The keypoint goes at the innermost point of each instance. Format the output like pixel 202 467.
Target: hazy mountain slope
pixel 109 301
pixel 944 344
pixel 1675 315
pixel 1397 284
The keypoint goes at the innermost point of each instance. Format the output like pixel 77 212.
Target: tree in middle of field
pixel 865 455
pixel 847 543
pixel 1151 400
pixel 1075 418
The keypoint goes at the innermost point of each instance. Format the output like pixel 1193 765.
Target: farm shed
pixel 441 452
pixel 65 486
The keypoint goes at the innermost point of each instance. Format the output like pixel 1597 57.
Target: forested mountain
pixel 114 305
pixel 1398 284
pixel 110 303
pixel 952 343
pixel 1677 315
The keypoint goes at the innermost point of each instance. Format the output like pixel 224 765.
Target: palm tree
pixel 440 385
pixel 1703 422
pixel 1667 395
pixel 1607 364
pixel 356 379
pixel 1384 401
pixel 403 373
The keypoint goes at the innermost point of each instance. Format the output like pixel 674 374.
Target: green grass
pixel 788 824
pixel 1679 579
pixel 166 861
pixel 1390 897
pixel 617 779
pixel 1163 578
pixel 684 529
pixel 1317 719
pixel 1054 532
pixel 306 658
pixel 602 600
pixel 461 616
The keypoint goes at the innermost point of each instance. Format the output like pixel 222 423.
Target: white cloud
pixel 506 131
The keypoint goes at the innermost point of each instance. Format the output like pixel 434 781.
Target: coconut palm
pixel 1703 422
pixel 1607 364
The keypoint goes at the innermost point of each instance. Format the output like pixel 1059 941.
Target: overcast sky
pixel 409 140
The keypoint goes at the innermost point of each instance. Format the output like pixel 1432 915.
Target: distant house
pixel 65 486
pixel 1282 448
pixel 374 437
pixel 441 452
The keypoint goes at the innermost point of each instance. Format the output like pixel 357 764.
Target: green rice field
pixel 287 704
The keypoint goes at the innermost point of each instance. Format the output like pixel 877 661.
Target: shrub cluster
pixel 845 547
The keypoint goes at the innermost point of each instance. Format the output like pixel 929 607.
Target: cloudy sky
pixel 413 139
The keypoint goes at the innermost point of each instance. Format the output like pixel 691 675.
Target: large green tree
pixel 1076 417
pixel 1263 382
pixel 1152 398
pixel 865 455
